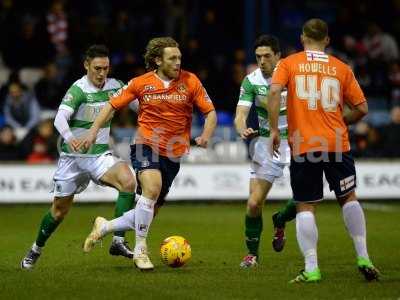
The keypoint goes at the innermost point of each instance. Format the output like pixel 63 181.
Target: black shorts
pixel 306 175
pixel 144 158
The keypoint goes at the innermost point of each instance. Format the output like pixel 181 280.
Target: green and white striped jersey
pixel 85 101
pixel 255 87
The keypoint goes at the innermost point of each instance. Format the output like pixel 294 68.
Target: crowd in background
pixel 42 45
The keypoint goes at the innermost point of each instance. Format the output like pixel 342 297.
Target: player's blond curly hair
pixel 155 48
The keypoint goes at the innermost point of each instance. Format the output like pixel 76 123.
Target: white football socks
pixel 307 238
pixel 144 212
pixel 354 219
pixel 123 223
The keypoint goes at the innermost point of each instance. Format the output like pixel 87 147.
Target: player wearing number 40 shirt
pixel 318 87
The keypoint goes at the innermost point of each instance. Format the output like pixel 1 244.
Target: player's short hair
pixel 155 48
pixel 96 51
pixel 315 29
pixel 266 40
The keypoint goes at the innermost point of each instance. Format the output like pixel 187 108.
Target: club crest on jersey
pixel 149 88
pixel 145 163
pixel 181 88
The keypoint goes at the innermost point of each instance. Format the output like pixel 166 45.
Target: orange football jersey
pixel 165 114
pixel 318 85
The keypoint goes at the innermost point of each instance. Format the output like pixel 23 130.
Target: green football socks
pixel 47 227
pixel 253 231
pixel 124 203
pixel 286 214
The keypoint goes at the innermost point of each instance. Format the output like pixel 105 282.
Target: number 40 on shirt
pixel 328 92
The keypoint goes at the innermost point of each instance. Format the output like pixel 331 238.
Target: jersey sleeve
pixel 281 73
pixel 72 99
pixel 124 95
pixel 352 92
pixel 246 96
pixel 201 98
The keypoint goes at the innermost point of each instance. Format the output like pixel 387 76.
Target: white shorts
pixel 74 173
pixel 263 164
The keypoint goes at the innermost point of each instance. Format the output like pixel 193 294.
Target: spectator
pixel 365 141
pixel 29 47
pixel 391 135
pixel 13 77
pixel 21 109
pixel 39 154
pixel 40 144
pixel 48 89
pixel 8 144
pixel 57 26
pixel 380 45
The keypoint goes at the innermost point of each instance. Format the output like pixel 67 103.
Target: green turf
pixel 215 232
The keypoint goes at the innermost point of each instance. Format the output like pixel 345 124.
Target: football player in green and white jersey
pixel 265 167
pixel 79 107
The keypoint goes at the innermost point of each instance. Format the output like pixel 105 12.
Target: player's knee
pixel 254 207
pixel 347 198
pixel 60 210
pixel 127 182
pixel 151 192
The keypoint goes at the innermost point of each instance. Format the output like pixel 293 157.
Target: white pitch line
pixel 381 207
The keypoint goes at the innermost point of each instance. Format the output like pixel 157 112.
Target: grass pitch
pixel 215 232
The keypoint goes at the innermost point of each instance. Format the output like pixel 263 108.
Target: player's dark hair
pixel 315 29
pixel 266 40
pixel 155 48
pixel 96 51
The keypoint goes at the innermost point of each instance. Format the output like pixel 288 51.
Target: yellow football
pixel 175 251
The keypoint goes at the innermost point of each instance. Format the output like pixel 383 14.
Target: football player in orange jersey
pixel 318 87
pixel 166 95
